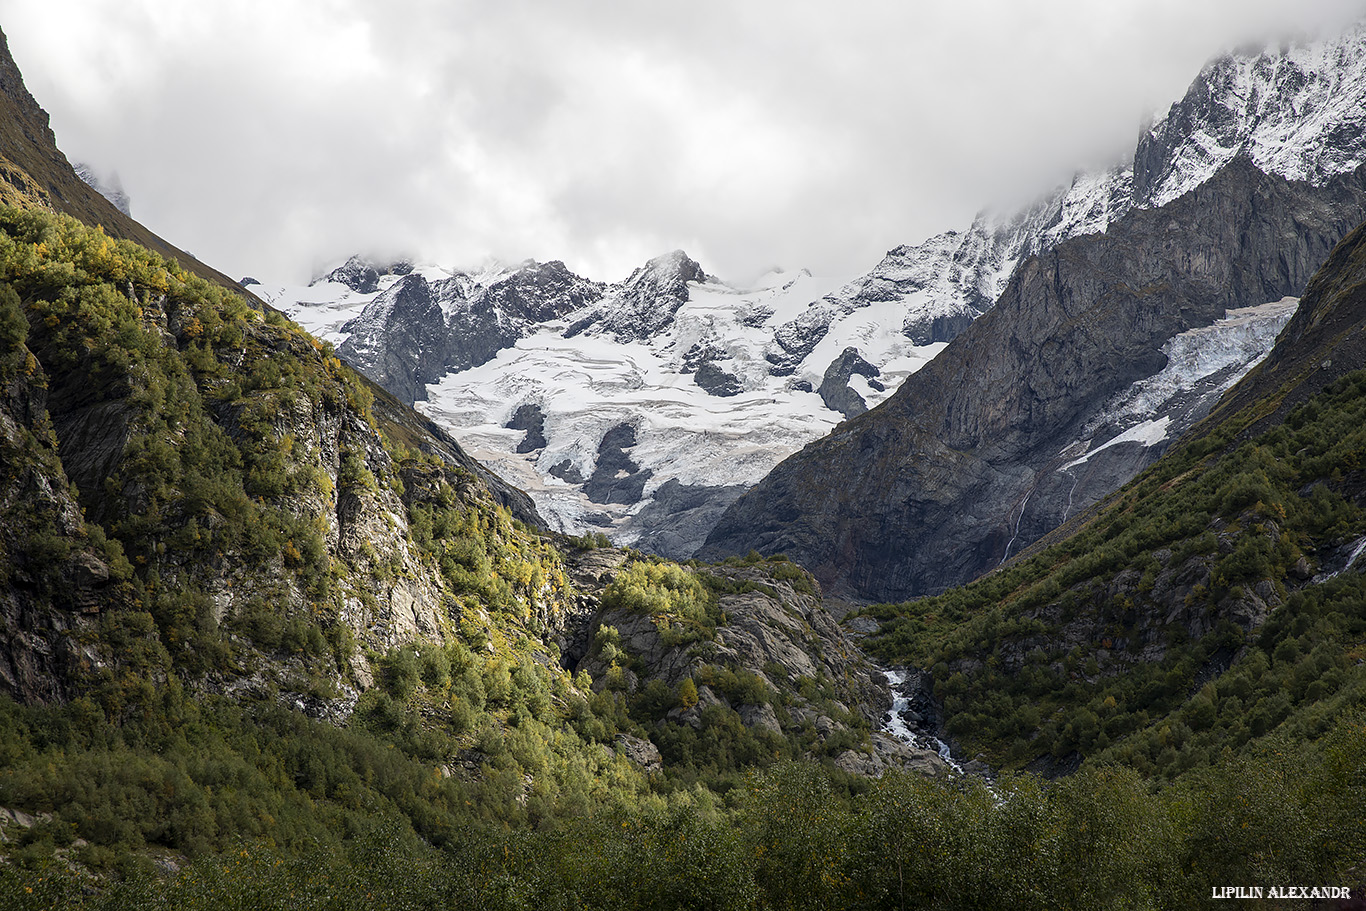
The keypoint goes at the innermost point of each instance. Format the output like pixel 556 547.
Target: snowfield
pixel 720 383
pixel 593 380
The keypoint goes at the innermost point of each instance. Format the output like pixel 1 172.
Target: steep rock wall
pixel 931 488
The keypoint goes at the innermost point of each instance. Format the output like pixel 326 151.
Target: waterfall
pixel 1356 552
pixel 896 725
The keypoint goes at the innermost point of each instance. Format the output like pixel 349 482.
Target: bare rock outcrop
pixel 957 470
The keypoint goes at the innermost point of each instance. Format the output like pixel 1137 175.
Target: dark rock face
pixel 678 517
pixel 934 486
pixel 651 296
pixel 566 471
pixel 417 331
pixel 1321 343
pixel 45 605
pixel 485 321
pixel 617 478
pixel 536 292
pixel 716 381
pixel 475 334
pixel 399 339
pixel 700 360
pixel 356 274
pixel 834 389
pixel 794 340
pixel 642 752
pixel 531 419
pixel 926 330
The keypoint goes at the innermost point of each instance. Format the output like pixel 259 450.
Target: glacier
pixel 710 385
pixel 615 362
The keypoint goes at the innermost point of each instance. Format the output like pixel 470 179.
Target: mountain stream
pixel 896 723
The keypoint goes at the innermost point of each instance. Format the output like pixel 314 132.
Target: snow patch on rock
pixel 1202 364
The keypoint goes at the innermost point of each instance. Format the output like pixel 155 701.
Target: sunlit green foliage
pixel 478 773
pixel 785 839
pixel 1241 515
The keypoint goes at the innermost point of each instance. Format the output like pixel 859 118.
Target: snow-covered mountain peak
pixel 1297 110
pixel 363 275
pixel 675 262
pixel 534 292
pixel 645 405
pixel 668 274
pixel 647 301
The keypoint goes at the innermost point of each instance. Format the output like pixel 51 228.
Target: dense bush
pixel 1246 513
pixel 786 838
pixel 477 773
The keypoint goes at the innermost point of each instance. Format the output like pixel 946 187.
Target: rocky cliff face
pixel 221 482
pixel 933 487
pixel 399 339
pixel 777 659
pixel 54 578
pixel 1320 344
pixel 835 390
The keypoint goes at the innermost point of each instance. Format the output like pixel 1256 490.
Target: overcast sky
pixel 271 137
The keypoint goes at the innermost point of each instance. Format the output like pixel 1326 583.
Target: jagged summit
pixel 650 298
pixel 1298 111
pixel 666 275
pixel 720 382
pixel 362 275
pixel 537 292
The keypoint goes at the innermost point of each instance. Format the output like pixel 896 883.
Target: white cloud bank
pixel 271 137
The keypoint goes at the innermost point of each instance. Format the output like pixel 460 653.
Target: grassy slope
pixel 1179 621
pixel 33 171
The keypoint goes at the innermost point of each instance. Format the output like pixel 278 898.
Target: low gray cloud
pixel 274 138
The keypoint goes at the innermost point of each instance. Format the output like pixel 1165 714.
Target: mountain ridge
pixel 37 173
pixel 1287 108
pixel 960 450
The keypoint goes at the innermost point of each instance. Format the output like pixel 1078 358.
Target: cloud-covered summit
pixel 273 139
